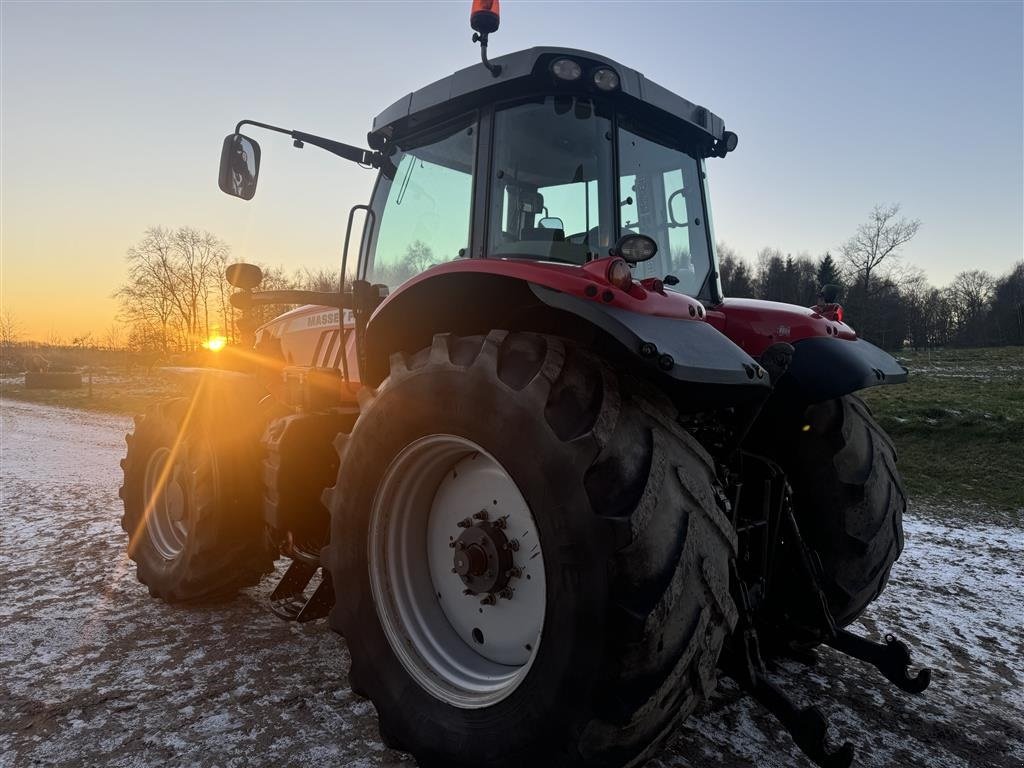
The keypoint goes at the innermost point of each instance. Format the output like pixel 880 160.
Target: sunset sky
pixel 113 116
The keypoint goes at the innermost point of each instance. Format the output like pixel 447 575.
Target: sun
pixel 215 343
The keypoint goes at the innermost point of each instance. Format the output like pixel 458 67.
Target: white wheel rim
pixel 166 507
pixel 465 652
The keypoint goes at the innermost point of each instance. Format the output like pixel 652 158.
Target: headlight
pixel 606 79
pixel 566 69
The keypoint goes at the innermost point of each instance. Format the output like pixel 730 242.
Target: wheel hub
pixel 483 558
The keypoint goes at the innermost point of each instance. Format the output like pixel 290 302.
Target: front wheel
pixel 191 497
pixel 531 556
pixel 849 501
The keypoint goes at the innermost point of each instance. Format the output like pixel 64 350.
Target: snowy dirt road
pixel 94 672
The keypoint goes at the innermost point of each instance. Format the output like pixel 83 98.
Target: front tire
pixel 635 554
pixel 191 498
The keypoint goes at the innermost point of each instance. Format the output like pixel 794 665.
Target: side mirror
pixel 243 276
pixel 551 222
pixel 239 166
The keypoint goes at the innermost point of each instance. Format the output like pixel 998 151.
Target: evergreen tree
pixel 828 271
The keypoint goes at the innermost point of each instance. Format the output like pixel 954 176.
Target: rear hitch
pixel 807 725
pixel 743 662
pixel 891 659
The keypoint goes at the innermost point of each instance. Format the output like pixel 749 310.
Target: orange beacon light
pixel 485 16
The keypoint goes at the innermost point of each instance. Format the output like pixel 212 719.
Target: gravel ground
pixel 95 672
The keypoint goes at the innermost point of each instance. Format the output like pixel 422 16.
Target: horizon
pixel 108 124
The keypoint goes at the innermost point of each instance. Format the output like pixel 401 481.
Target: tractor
pixel 547 481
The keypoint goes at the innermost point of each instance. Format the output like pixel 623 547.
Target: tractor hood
pixel 306 335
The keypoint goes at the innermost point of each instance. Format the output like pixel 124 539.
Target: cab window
pixel 423 205
pixel 661 197
pixel 551 181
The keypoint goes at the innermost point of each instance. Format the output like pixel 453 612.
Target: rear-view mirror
pixel 551 222
pixel 239 166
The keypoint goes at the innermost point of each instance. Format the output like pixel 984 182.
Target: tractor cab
pixel 548 154
pixel 544 157
pixel 563 157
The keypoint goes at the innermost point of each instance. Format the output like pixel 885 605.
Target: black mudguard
pixel 474 303
pixel 697 353
pixel 824 368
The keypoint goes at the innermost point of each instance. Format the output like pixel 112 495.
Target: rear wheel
pixel 191 498
pixel 531 558
pixel 849 503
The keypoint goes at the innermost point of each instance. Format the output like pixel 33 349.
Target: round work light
pixel 636 248
pixel 566 69
pixel 606 79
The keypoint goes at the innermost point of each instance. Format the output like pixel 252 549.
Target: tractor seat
pixel 544 235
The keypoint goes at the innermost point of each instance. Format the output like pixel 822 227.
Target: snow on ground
pixel 95 672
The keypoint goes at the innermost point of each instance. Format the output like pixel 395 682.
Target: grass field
pixel 958 423
pixel 112 391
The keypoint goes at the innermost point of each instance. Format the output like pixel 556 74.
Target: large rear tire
pixel 623 510
pixel 849 502
pixel 191 498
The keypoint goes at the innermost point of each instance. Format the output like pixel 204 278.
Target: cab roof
pixel 528 72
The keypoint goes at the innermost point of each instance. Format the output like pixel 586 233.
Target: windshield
pixel 551 196
pixel 423 206
pixel 661 190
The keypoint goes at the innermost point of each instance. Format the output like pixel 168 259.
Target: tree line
pixel 886 300
pixel 176 296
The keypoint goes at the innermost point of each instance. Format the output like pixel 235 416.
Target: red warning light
pixel 485 16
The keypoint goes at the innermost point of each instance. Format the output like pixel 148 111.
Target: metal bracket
pixel 891 659
pixel 807 725
pixel 288 600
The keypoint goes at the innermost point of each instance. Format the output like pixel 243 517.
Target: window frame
pixel 710 288
pixel 486 197
pixel 379 194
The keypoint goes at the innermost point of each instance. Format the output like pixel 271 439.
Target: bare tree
pixel 175 277
pixel 877 244
pixel 10 329
pixel 113 338
pixel 970 296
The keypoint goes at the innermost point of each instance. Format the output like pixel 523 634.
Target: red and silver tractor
pixel 544 478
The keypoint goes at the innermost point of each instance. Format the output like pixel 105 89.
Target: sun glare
pixel 216 343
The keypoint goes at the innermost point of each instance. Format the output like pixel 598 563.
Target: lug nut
pixel 514 572
pixel 501 523
pixel 465 523
pixel 514 545
pixel 488 599
pixel 506 593
pixel 459 545
pixel 467 591
pixel 481 515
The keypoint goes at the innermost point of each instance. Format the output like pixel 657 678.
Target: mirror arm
pixel 246 299
pixel 345 151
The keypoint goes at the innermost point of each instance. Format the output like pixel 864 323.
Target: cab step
pixel 289 600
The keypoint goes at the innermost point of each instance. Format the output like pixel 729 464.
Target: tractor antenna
pixel 484 19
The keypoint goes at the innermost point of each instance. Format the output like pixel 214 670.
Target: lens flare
pixel 215 343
